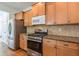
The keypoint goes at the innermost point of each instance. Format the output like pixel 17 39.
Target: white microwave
pixel 38 20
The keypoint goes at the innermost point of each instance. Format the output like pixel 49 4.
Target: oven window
pixel 36 46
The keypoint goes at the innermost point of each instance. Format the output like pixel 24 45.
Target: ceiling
pixel 14 6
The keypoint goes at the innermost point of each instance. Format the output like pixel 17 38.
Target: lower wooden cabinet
pixel 63 51
pixel 49 48
pixel 67 49
pixel 23 42
pixel 59 48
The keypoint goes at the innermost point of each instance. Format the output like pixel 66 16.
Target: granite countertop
pixel 63 38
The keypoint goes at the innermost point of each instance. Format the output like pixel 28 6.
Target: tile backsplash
pixel 63 30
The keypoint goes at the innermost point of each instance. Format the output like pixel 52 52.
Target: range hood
pixel 38 20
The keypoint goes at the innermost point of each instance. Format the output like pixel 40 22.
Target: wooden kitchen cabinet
pixel 38 9
pixel 59 48
pixel 61 13
pixel 25 18
pixel 50 13
pixel 67 49
pixel 23 42
pixel 35 10
pixel 49 47
pixel 41 8
pixel 19 16
pixel 28 18
pixel 67 52
pixel 56 13
pixel 73 12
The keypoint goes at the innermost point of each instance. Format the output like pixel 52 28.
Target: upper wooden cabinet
pixel 19 16
pixel 50 13
pixel 38 9
pixel 73 12
pixel 61 13
pixel 25 18
pixel 41 8
pixel 35 10
pixel 28 18
pixel 56 13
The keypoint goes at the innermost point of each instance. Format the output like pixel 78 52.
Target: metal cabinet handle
pixel 48 41
pixel 65 44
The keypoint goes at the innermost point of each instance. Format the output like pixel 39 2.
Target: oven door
pixel 35 46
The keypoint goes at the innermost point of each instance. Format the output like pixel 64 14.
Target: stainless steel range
pixel 34 42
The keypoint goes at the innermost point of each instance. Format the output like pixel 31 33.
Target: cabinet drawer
pixel 67 44
pixel 50 42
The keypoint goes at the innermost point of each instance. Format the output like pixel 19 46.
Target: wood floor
pixel 5 51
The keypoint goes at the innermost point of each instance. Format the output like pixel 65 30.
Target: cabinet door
pixel 49 47
pixel 73 12
pixel 19 16
pixel 25 42
pixel 41 8
pixel 61 13
pixel 50 13
pixel 62 51
pixel 29 18
pixel 21 41
pixel 35 10
pixel 26 19
pixel 67 49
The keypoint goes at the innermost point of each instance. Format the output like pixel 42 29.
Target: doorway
pixel 4 17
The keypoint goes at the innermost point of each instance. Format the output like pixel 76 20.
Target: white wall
pixel 4 17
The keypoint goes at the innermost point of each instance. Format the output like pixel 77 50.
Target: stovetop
pixel 36 37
